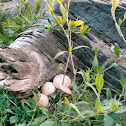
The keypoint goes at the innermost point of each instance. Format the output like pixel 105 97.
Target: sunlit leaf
pixel 61 66
pixel 124 16
pixel 59 54
pixel 78 22
pixel 78 47
pixel 99 82
pixel 59 19
pixel 116 49
pixel 59 1
pixel 120 21
pixel 83 36
pixel 75 107
pixel 63 11
pixel 66 101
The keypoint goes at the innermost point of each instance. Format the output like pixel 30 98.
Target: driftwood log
pixel 28 62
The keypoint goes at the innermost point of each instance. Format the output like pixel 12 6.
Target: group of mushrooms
pixel 61 82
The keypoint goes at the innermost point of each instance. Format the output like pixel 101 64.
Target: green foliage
pixel 117 24
pixel 25 18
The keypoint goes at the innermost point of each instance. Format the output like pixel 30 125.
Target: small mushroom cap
pixel 58 81
pixel 48 88
pixel 65 89
pixel 43 100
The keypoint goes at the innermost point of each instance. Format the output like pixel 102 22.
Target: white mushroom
pixel 61 80
pixel 65 89
pixel 48 88
pixel 43 100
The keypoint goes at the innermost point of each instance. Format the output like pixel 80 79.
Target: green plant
pixel 25 18
pixel 69 110
pixel 72 28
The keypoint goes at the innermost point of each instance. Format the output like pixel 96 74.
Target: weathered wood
pixel 28 62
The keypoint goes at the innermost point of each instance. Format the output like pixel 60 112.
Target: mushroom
pixel 61 79
pixel 43 100
pixel 48 88
pixel 62 82
pixel 65 89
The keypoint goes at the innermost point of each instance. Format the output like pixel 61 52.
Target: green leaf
pixel 121 110
pixel 97 104
pixel 116 49
pixel 78 23
pixel 95 64
pixel 63 11
pixel 72 25
pixel 8 21
pixel 66 101
pixel 114 65
pixel 118 29
pixel 59 105
pixel 59 54
pixel 78 47
pixel 83 74
pixel 108 94
pixel 59 19
pixel 83 36
pixel 42 30
pixel 44 111
pixel 123 80
pixel 14 119
pixel 48 123
pixel 75 87
pixel 38 120
pixel 99 82
pixel 23 1
pixel 59 1
pixel 108 121
pixel 124 16
pixel 112 104
pixel 92 88
pixel 61 66
pixel 120 21
pixel 75 107
pixel 86 112
pixel 81 102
